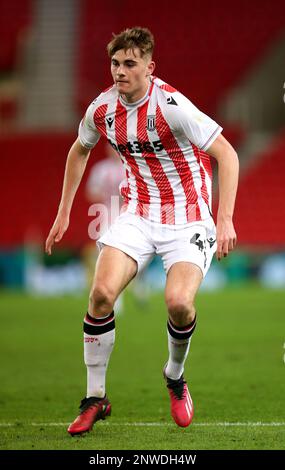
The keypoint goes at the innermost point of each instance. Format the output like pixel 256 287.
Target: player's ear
pixel 150 68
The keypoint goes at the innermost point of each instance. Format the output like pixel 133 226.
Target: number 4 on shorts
pixel 196 240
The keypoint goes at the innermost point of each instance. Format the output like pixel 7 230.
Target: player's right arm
pixel 75 165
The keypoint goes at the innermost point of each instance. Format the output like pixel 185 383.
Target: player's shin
pixel 179 340
pixel 99 338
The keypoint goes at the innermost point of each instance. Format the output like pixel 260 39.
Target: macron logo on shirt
pixel 110 121
pixel 171 100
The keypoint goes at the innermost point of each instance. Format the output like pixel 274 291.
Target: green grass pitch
pixel 235 371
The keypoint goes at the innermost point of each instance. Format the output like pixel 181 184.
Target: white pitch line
pixel 217 424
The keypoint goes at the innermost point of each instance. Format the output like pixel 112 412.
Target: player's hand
pixel 226 238
pixel 57 231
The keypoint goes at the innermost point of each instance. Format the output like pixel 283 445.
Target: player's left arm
pixel 228 170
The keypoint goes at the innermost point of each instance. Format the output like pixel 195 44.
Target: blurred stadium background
pixel 53 62
pixel 228 58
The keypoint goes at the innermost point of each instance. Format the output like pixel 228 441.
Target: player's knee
pixel 180 308
pixel 101 300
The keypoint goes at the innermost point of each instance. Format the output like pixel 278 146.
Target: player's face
pixel 131 73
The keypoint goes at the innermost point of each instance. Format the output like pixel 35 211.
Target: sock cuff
pixel 98 326
pixel 183 332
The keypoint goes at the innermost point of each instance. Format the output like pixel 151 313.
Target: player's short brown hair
pixel 131 38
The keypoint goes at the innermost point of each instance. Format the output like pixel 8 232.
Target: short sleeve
pixel 199 128
pixel 87 132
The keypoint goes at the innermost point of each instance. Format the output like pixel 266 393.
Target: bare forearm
pixel 74 170
pixel 228 182
pixel 228 163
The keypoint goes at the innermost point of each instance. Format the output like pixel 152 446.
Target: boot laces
pixel 177 386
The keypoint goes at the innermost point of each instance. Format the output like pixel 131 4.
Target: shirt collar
pixel 139 102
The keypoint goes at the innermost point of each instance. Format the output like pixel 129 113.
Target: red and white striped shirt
pixel 161 140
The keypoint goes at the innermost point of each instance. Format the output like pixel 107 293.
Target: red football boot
pixel 92 409
pixel 181 404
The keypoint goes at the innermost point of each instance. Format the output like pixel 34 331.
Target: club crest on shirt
pixel 150 123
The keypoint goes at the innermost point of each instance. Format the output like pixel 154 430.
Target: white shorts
pixel 142 239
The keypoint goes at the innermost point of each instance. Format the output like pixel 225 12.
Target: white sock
pixel 179 340
pixel 99 339
pixel 178 352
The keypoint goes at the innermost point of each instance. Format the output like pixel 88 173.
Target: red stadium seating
pixel 15 17
pixel 32 168
pixel 202 48
pixel 260 208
